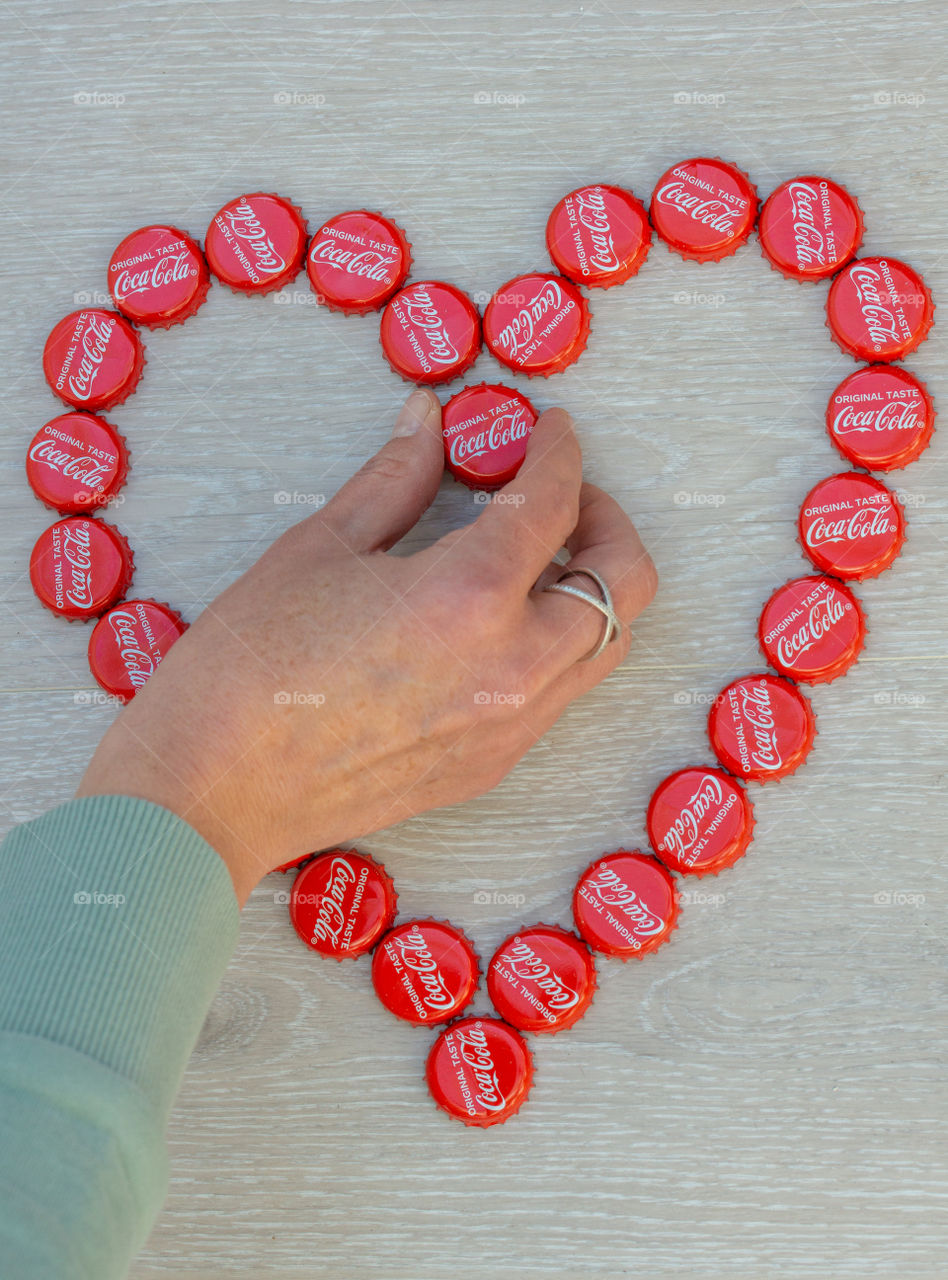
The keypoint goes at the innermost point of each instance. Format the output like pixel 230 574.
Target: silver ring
pixel 613 627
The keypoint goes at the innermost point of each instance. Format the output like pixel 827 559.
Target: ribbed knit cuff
pixel 117 921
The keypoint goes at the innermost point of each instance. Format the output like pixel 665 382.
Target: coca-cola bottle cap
pixel 879 309
pixel 76 463
pixel 809 228
pixel 761 727
pixel 881 417
pixel 700 821
pixel 537 324
pixel 598 236
pixel 425 971
pixel 542 979
pixel 342 902
pixel 80 566
pixel 357 260
pixel 704 208
pixel 256 243
pixel 625 904
pixel 851 525
pixel 479 1071
pixel 129 641
pixel 93 359
pixel 158 276
pixel 430 332
pixel 295 863
pixel 485 430
pixel 812 629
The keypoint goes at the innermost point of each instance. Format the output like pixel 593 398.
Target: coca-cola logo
pixel 686 829
pixel 591 208
pixel 247 227
pixel 875 293
pixel 423 314
pixel 865 522
pixel 518 334
pixel 711 213
pixel 525 964
pixel 417 956
pixel 167 270
pixel 330 916
pixel 77 552
pixel 758 714
pixel 368 263
pixel 93 337
pixel 808 241
pixel 504 429
pixel 138 664
pixel 893 415
pixel 475 1054
pixel 84 470
pixel 823 615
pixel 609 887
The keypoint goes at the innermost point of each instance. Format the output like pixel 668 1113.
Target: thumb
pixel 389 493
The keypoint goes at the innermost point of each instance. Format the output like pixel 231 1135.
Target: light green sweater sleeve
pixel 117 921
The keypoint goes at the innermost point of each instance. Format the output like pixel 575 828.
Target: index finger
pixel 527 521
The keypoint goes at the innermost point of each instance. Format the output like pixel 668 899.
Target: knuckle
pixel 388 464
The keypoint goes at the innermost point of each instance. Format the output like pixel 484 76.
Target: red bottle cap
pixel 881 417
pixel 158 276
pixel 430 332
pixel 357 260
pixel 537 324
pixel 129 641
pixel 76 463
pixel 425 971
pixel 761 727
pixel 598 236
pixel 700 820
pixel 542 979
pixel 851 525
pixel 704 208
pixel 295 862
pixel 879 309
pixel 809 227
pixel 812 629
pixel 79 567
pixel 342 902
pixel 93 359
pixel 256 243
pixel 625 904
pixel 479 1071
pixel 485 430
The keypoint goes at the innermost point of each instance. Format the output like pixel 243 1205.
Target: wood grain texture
pixel 765 1096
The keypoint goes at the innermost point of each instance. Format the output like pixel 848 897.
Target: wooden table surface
pixel 765 1096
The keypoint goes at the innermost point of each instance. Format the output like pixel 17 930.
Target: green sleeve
pixel 117 921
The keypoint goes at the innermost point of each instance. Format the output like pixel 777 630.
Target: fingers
pixel 386 497
pixel 528 521
pixel 606 540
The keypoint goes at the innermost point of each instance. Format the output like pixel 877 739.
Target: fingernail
pixel 416 411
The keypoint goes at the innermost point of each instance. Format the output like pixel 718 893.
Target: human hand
pixel 397 648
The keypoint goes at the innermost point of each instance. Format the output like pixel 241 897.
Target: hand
pixel 385 656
